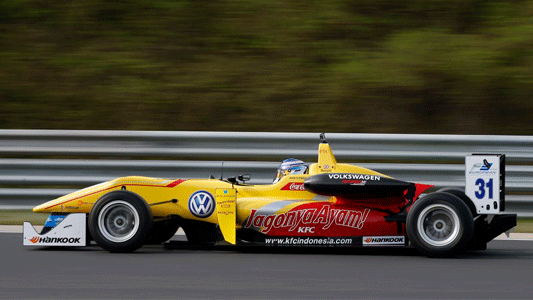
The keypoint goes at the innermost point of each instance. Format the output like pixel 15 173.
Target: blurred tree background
pixel 389 66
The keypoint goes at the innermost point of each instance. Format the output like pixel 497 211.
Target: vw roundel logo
pixel 201 204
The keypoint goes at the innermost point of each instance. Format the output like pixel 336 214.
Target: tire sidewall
pixel 460 193
pixel 466 225
pixel 145 222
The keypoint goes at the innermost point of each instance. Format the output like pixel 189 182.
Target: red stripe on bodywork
pixel 174 183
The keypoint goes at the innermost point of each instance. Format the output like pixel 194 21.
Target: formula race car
pixel 323 204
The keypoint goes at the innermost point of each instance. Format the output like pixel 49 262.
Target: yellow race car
pixel 321 204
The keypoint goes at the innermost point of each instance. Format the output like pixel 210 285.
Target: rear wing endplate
pixel 485 182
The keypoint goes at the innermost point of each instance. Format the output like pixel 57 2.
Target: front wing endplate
pixel 70 232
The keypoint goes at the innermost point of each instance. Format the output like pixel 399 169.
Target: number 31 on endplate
pixel 485 182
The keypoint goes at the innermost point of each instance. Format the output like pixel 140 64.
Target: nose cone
pixel 76 202
pixel 50 206
pixel 40 208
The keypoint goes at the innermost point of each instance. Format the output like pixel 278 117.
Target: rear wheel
pixel 120 221
pixel 459 193
pixel 440 225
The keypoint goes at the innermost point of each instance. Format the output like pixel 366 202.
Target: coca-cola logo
pixel 293 186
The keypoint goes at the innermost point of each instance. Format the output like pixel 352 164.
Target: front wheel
pixel 120 221
pixel 440 225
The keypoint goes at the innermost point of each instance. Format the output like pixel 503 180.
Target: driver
pixel 291 166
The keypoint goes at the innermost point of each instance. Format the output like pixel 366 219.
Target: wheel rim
pixel 438 225
pixel 118 221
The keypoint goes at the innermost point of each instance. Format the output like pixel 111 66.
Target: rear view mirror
pixel 244 177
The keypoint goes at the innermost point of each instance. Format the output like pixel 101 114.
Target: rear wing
pixel 485 182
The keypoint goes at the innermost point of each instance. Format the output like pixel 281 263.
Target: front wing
pixel 59 230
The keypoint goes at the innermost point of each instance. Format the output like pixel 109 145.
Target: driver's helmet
pixel 291 166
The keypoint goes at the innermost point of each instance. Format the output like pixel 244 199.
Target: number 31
pixel 480 194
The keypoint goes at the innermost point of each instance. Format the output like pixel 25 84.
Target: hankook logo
pixel 201 204
pixel 59 240
pixel 384 240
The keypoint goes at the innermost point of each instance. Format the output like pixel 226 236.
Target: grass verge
pixel 17 217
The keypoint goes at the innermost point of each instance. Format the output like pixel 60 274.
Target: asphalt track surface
pixel 504 271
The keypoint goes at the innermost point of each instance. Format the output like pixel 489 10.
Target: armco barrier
pixel 39 165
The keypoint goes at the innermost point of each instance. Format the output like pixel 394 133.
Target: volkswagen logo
pixel 201 204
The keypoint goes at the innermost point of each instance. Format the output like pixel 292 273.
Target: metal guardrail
pixel 39 165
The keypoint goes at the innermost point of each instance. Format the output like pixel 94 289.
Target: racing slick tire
pixel 120 221
pixel 162 231
pixel 460 193
pixel 440 225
